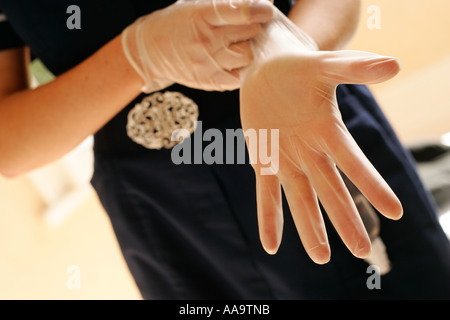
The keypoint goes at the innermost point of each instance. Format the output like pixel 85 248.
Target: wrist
pixel 281 37
pixel 127 72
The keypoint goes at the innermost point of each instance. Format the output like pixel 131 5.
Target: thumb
pixel 358 67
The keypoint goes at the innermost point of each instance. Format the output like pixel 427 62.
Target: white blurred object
pixel 445 139
pixel 64 184
pixel 378 256
pixel 444 219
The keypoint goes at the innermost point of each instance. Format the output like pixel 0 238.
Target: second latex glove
pixel 291 87
pixel 201 44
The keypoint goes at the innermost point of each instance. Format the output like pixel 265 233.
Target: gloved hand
pixel 291 87
pixel 200 44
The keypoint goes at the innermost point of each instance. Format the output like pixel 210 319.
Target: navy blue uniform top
pixel 8 36
pixel 191 231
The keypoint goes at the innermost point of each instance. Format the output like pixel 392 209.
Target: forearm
pixel 39 126
pixel 331 23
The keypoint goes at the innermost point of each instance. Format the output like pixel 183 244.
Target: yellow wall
pixel 417 33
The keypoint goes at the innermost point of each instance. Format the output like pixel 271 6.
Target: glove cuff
pixel 134 48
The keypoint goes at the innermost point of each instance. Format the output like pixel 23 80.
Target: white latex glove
pixel 291 86
pixel 200 44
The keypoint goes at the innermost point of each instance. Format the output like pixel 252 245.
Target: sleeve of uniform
pixel 8 37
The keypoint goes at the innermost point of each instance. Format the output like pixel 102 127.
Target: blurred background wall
pixel 416 101
pixel 56 241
